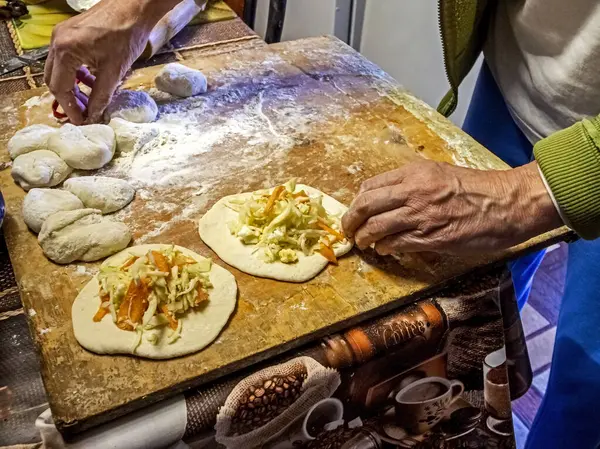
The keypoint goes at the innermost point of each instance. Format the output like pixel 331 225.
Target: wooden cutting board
pixel 312 109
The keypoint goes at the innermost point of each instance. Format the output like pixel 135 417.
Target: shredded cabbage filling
pixel 283 223
pixel 150 293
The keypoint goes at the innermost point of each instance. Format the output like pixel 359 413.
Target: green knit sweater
pixel 569 159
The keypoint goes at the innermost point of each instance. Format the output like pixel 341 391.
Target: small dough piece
pixel 30 138
pixel 82 234
pixel 84 147
pixel 41 168
pixel 102 193
pixel 177 79
pixel 132 105
pixel 199 328
pixel 132 136
pixel 39 204
pixel 214 231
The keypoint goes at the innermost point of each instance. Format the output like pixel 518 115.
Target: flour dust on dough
pixel 101 192
pixel 82 234
pixel 199 327
pixel 132 105
pixel 41 168
pixel 30 138
pixel 84 147
pixel 179 80
pixel 214 231
pixel 132 136
pixel 39 204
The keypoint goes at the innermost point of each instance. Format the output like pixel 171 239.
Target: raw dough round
pixel 41 168
pixel 30 138
pixel 99 192
pixel 82 234
pixel 214 231
pixel 199 328
pixel 39 204
pixel 84 147
pixel 132 136
pixel 180 80
pixel 132 105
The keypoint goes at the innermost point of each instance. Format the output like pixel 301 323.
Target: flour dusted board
pixel 312 109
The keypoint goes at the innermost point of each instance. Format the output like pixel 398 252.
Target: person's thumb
pixel 102 92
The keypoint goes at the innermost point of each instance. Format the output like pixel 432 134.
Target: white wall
pixel 402 37
pixel 303 18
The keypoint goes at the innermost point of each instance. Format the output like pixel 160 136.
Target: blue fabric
pixel 569 416
pixel 489 122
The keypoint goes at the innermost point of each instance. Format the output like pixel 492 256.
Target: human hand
pixel 431 206
pixel 107 39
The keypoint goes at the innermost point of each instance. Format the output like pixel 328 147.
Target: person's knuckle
pixel 376 226
pixel 361 205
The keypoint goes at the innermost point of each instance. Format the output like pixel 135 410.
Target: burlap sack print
pixel 320 383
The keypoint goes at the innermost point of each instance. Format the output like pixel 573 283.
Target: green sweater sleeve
pixel 570 162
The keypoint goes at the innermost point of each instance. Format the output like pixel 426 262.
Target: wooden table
pixel 312 109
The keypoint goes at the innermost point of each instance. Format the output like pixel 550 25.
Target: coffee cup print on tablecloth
pixel 308 427
pixel 422 404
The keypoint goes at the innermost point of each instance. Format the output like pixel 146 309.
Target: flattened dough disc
pixel 199 328
pixel 215 233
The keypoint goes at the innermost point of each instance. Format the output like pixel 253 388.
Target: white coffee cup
pixel 422 404
pixel 325 411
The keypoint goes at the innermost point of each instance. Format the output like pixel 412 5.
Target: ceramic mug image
pixel 307 427
pixel 422 404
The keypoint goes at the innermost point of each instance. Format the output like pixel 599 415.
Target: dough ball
pixel 31 138
pixel 132 105
pixel 39 204
pixel 180 80
pixel 102 193
pixel 84 147
pixel 41 168
pixel 82 234
pixel 132 136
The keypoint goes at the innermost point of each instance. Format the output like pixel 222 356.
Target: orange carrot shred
pixel 161 262
pixel 274 195
pixel 299 194
pixel 202 295
pixel 328 253
pixel 321 223
pixel 129 262
pixel 133 306
pixel 102 311
pixel 172 321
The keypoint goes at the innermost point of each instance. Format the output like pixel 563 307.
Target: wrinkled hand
pixel 107 39
pixel 430 206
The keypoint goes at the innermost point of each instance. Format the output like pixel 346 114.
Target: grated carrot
pixel 321 223
pixel 274 196
pixel 202 294
pixel 133 306
pixel 129 263
pixel 172 321
pixel 328 253
pixel 102 311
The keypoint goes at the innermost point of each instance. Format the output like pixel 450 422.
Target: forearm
pixel 570 163
pixel 144 13
pixel 154 10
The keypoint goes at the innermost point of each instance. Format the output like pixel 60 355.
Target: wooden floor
pixel 540 316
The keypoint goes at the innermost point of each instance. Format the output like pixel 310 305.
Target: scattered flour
pixel 190 128
pixel 33 101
